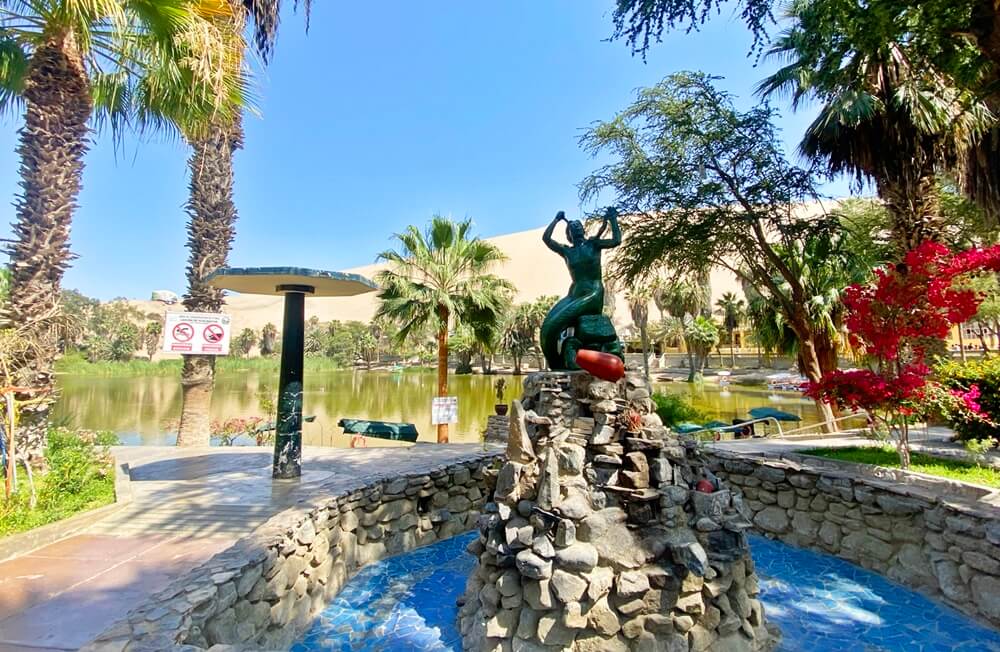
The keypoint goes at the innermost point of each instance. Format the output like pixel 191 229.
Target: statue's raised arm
pixel 576 322
pixel 547 236
pixel 610 219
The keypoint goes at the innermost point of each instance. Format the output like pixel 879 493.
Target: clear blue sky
pixel 380 117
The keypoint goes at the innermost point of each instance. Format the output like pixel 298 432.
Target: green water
pixel 735 401
pixel 144 410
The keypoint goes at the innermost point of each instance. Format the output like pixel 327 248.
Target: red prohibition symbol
pixel 183 332
pixel 213 333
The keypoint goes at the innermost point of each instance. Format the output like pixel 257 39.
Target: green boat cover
pixel 765 412
pixel 379 429
pixel 687 427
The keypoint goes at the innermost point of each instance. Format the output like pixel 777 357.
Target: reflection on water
pixel 144 410
pixel 735 401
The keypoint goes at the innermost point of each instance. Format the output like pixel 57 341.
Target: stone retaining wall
pixel 265 590
pixel 921 532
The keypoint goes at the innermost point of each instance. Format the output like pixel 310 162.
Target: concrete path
pixel 187 505
pixel 935 441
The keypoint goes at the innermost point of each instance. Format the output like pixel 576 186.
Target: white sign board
pixel 199 333
pixel 444 409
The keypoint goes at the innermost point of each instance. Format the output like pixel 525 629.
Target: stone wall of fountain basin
pixel 263 592
pixel 934 535
pixel 596 539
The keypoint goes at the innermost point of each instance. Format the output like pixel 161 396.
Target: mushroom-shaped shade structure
pixel 294 283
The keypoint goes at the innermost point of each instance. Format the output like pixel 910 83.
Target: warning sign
pixel 444 409
pixel 202 333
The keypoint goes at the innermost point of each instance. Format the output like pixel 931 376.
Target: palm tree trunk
pixel 53 144
pixel 961 342
pixel 732 349
pixel 211 229
pixel 645 350
pixel 914 209
pixel 442 370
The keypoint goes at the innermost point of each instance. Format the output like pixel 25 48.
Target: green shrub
pixel 80 476
pixel 673 409
pixel 986 375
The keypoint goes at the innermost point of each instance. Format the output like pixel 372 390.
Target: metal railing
pixel 782 434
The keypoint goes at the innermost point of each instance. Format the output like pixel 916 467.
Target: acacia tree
pixel 438 278
pixel 708 185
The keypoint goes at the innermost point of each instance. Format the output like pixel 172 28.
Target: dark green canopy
pixel 379 429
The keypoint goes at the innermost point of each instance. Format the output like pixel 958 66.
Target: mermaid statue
pixel 577 321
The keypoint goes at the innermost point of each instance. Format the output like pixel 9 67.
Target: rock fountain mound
pixel 606 532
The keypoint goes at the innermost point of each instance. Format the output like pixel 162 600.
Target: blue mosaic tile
pixel 820 603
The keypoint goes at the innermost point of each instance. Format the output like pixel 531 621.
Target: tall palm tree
pixel 520 330
pixel 136 62
pixel 268 337
pixel 733 311
pixel 212 217
pixel 638 306
pixel 882 118
pixel 687 298
pixel 442 277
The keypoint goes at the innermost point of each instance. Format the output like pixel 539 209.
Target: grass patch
pixel 80 477
pixel 920 462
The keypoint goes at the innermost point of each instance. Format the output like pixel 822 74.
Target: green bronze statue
pixel 577 321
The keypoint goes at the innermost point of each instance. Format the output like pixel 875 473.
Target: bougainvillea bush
pixel 894 321
pixel 984 375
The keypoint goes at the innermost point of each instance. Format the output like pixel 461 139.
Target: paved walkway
pixel 935 441
pixel 187 505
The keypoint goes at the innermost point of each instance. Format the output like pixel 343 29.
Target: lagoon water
pixel 144 410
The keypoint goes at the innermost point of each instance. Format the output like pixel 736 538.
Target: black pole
pixel 288 430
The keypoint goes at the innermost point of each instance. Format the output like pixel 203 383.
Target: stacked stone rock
pixel 596 540
pixel 497 429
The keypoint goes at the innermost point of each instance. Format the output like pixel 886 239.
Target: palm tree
pixel 669 329
pixel 438 278
pixel 638 305
pixel 881 118
pixel 519 332
pixel 687 298
pixel 212 217
pixel 268 337
pixel 137 63
pixel 733 310
pixel 151 334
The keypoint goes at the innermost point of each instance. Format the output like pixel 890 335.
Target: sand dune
pixel 531 268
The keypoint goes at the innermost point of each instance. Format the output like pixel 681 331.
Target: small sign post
pixel 196 333
pixel 444 409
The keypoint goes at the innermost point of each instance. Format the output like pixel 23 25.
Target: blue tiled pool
pixel 820 603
